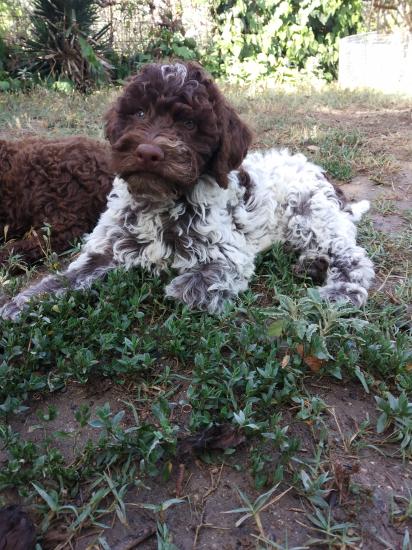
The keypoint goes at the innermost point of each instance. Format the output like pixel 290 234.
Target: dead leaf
pixel 314 363
pixel 179 481
pixel 53 537
pixel 342 474
pixel 285 361
pixel 218 436
pixel 300 350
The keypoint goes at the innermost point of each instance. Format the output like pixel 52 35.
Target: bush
pixel 167 40
pixel 10 51
pixel 254 39
pixel 281 39
pixel 63 45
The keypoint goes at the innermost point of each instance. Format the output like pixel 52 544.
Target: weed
pixel 401 508
pixel 254 509
pixel 384 206
pixel 164 537
pixel 396 412
pixel 333 534
pixel 315 486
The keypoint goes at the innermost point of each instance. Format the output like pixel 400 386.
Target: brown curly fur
pixel 16 529
pixel 62 182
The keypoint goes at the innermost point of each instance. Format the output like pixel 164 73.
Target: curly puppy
pixel 187 198
pixel 64 182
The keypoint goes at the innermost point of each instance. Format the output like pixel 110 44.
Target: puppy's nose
pixel 149 154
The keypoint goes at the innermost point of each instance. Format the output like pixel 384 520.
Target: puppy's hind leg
pixel 350 274
pixel 325 236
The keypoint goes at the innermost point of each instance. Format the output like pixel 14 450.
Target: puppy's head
pixel 170 125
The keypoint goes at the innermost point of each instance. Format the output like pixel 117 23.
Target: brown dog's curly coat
pixel 62 182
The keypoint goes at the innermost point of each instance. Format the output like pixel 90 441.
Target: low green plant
pixel 401 509
pixel 315 486
pixel 254 509
pixel 164 537
pixel 330 533
pixel 396 413
pixel 63 45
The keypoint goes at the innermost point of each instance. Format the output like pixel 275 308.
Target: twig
pixel 211 490
pixel 134 540
pixel 276 499
pixel 179 481
pixel 332 412
pixel 385 280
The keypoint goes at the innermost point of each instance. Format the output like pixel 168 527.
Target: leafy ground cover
pixel 127 420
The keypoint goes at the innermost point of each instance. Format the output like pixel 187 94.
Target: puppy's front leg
pixel 208 286
pixel 80 274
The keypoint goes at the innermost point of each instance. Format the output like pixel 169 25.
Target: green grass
pixel 252 368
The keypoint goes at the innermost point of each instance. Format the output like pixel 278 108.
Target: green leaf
pixel 96 423
pixel 262 499
pixel 51 501
pixel 276 328
pixel 406 542
pixel 381 423
pixel 361 377
pixel 171 502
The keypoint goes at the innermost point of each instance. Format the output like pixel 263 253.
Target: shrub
pixel 166 40
pixel 10 51
pixel 254 39
pixel 63 44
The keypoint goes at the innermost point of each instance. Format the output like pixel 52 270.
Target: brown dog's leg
pixel 35 246
pixel 29 249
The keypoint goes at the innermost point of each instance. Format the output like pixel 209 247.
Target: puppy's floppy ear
pixel 234 136
pixel 235 140
pixel 111 126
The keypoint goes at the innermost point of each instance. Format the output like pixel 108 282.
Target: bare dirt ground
pixel 366 480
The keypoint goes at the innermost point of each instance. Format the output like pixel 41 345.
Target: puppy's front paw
pixel 344 292
pixel 199 290
pixel 12 310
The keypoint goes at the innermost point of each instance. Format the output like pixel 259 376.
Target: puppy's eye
pixel 189 124
pixel 140 113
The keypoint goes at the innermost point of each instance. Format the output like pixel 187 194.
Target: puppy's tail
pixel 357 209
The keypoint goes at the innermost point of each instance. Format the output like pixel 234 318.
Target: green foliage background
pixel 254 39
pixel 248 41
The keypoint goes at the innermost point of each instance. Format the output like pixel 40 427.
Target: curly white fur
pixel 211 236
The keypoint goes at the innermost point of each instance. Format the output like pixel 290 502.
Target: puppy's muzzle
pixel 148 156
